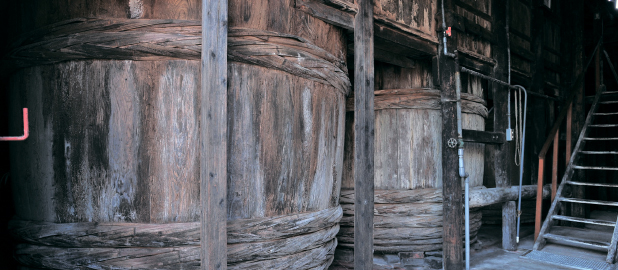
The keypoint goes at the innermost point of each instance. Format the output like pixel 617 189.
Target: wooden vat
pixel 408 173
pixel 110 175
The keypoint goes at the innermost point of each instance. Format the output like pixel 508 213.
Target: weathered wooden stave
pixel 408 210
pixel 312 127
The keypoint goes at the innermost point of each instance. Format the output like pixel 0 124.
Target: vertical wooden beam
pixel 569 125
pixel 213 135
pixel 502 154
pixel 573 59
pixel 451 182
pixel 364 122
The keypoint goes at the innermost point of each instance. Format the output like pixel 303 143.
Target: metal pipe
pixel 26 130
pixel 521 158
pixel 444 33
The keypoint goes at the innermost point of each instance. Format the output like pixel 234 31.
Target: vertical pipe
pixel 213 136
pixel 539 199
pixel 521 157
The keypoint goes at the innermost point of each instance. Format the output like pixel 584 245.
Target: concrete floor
pixel 492 256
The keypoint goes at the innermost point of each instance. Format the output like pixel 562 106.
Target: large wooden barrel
pixel 109 178
pixel 408 173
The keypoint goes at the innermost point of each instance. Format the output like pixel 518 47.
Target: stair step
pixel 585 220
pixel 586 201
pixel 577 242
pixel 608 102
pixel 611 113
pixel 609 92
pixel 600 139
pixel 595 168
pixel 568 261
pixel 590 184
pixel 599 152
pixel 604 125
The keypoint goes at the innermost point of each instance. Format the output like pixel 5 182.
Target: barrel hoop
pixel 405 220
pixel 427 99
pixel 187 258
pixel 149 39
pixel 152 246
pixel 288 53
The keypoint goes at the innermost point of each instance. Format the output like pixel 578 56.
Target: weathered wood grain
pixel 410 238
pixel 187 257
pixel 364 132
pixel 407 123
pixel 416 17
pixel 479 196
pixel 109 146
pixel 421 99
pixel 213 136
pixel 501 156
pixel 119 142
pixel 451 182
pixel 95 234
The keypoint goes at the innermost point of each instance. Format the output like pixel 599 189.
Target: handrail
pixel 565 112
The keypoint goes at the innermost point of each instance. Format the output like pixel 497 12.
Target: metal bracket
pixel 26 130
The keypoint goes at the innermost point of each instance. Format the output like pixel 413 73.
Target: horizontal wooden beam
pixel 486 137
pixel 341 18
pixel 488 196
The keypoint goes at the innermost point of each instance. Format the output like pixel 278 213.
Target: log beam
pixel 213 135
pixel 451 187
pixel 363 135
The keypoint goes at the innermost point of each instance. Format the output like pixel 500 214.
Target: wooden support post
pixel 364 121
pixel 507 209
pixel 573 60
pixel 569 127
pixel 213 135
pixel 451 182
pixel 502 154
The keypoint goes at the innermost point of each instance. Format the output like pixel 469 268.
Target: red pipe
pixel 26 130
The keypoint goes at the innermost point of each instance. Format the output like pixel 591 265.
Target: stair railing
pixel 552 136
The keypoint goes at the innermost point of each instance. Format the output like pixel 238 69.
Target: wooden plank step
pixel 595 168
pixel 609 92
pixel 604 125
pixel 612 113
pixel 599 152
pixel 608 102
pixel 586 201
pixel 590 184
pixel 600 139
pixel 573 241
pixel 585 220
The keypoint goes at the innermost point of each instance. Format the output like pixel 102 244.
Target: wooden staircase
pixel 577 163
